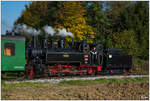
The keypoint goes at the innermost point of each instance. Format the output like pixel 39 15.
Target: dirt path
pixel 96 91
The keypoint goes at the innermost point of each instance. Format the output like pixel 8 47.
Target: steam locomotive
pixel 53 58
pixel 56 58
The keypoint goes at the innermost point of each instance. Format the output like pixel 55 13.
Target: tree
pixel 114 8
pixel 38 14
pixel 34 14
pixel 136 17
pixel 97 19
pixel 127 41
pixel 71 16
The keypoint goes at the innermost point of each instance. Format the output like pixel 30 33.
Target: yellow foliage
pixel 72 17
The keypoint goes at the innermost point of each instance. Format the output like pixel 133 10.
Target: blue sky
pixel 10 11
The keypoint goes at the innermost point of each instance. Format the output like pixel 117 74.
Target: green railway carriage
pixel 12 53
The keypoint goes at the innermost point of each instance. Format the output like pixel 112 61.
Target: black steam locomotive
pixel 54 58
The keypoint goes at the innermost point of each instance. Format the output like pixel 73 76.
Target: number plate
pixel 65 55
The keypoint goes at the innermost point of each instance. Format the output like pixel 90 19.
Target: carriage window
pixel 9 49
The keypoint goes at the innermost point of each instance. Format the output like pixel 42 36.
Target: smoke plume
pixel 22 28
pixel 63 33
pixel 49 30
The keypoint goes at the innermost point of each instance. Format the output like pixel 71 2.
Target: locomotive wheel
pixel 50 72
pixel 91 72
pixel 126 72
pixel 82 74
pixel 85 73
pixel 60 75
pixel 94 73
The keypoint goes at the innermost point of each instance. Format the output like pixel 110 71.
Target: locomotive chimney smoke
pixel 63 33
pixel 49 30
pixel 23 28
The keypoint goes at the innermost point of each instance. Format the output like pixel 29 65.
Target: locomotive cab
pixel 116 60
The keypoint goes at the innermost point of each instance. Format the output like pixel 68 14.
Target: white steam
pixel 22 28
pixel 49 30
pixel 63 33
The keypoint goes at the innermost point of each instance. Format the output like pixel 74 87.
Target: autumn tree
pixel 72 17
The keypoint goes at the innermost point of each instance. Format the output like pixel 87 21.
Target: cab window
pixel 9 49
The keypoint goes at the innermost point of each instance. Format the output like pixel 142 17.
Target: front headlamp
pixel 110 56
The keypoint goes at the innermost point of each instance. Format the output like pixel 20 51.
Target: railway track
pixel 68 78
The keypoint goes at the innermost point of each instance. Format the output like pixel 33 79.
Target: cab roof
pixel 14 38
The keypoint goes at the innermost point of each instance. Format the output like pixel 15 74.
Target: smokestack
pixel 72 42
pixel 34 38
pixel 62 43
pixel 51 41
pixel 44 43
pixel 13 33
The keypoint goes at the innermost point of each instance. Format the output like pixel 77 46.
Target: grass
pixel 10 87
pixel 140 66
pixel 77 82
pixel 67 90
pixel 22 84
pixel 122 80
pixel 138 61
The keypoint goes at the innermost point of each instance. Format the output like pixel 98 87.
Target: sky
pixel 10 11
